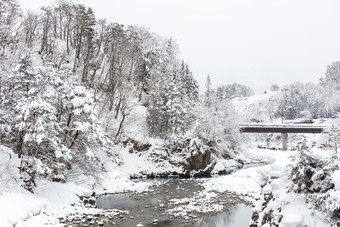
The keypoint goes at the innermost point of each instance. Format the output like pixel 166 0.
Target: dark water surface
pixel 146 207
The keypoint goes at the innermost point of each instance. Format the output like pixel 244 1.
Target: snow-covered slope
pixel 257 107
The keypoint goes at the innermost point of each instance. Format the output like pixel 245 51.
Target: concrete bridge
pixel 284 129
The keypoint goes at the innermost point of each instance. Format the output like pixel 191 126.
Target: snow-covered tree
pixel 218 123
pixel 274 87
pixel 49 119
pixel 208 92
pixel 298 99
pixel 9 18
pixel 333 73
pixel 172 94
pixel 230 91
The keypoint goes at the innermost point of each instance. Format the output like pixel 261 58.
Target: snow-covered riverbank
pixel 269 189
pixel 53 200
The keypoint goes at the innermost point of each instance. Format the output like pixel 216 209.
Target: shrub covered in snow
pixel 310 174
pixel 314 177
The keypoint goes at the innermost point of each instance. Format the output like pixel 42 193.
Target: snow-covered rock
pixel 267 189
pixel 336 180
pixel 17 207
pixel 291 219
pixel 9 169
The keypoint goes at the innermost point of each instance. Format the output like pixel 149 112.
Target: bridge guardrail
pixel 269 125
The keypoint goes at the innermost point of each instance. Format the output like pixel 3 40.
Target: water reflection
pixel 236 216
pixel 147 206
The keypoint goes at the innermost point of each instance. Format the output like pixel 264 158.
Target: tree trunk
pixel 117 108
pixel 20 143
pixel 121 125
pixel 74 139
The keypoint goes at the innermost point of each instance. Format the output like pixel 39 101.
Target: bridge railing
pixel 271 125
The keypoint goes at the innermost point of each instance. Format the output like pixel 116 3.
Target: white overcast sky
pixel 252 42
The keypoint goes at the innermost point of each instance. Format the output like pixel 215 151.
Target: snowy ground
pixel 51 199
pixel 247 181
pixel 50 202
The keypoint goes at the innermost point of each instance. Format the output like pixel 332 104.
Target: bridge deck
pixel 281 128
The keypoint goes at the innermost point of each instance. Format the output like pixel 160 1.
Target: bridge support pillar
pixel 284 137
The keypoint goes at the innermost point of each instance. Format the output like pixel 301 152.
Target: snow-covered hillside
pixel 258 108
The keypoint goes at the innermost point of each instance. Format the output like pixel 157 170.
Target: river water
pixel 152 208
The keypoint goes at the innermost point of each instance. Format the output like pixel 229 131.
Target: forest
pixel 69 82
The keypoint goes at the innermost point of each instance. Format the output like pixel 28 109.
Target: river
pixel 165 205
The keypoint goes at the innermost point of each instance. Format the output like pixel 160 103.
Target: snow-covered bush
pixel 189 145
pixel 328 203
pixel 312 176
pixel 333 133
